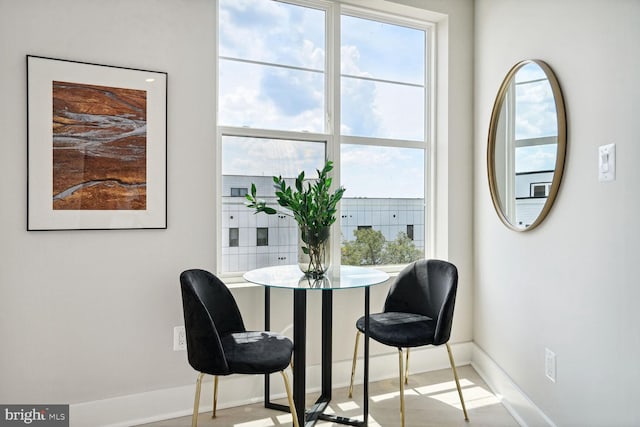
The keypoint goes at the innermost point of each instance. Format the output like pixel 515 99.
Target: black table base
pixel 309 416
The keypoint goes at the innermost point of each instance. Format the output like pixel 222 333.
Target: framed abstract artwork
pixel 97 146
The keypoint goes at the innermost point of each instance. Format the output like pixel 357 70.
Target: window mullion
pixel 271 133
pixel 333 114
pixel 382 142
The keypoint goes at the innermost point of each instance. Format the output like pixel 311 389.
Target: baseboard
pixel 513 398
pixel 236 390
pixel 147 407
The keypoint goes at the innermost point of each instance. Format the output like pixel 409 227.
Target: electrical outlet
pixel 550 364
pixel 179 338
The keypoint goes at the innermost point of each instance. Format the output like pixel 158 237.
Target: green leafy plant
pixel 311 204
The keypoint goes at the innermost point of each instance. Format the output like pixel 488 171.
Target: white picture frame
pixel 97 146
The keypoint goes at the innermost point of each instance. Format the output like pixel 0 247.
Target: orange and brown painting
pixel 99 147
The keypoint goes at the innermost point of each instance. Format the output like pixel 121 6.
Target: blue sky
pixel 265 96
pixel 262 96
pixel 536 117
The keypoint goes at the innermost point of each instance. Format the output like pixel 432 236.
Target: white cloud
pixel 256 96
pixel 369 171
pixel 536 158
pixel 267 157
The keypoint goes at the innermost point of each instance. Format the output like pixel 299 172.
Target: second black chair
pixel 418 311
pixel 217 341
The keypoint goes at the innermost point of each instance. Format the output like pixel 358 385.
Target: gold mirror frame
pixel 561 143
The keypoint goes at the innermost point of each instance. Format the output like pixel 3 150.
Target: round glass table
pixel 291 277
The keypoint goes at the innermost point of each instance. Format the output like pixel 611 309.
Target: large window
pixel 292 95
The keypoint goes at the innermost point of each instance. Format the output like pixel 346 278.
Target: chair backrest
pixel 210 312
pixel 426 287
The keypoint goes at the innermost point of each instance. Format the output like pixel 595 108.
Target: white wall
pixel 87 316
pixel 571 285
pixel 454 148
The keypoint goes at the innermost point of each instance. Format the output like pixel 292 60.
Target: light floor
pixel 431 400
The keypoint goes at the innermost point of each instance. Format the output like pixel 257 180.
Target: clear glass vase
pixel 314 254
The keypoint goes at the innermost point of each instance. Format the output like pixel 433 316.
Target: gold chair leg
pixel 406 369
pixel 455 375
pixel 215 395
pixel 292 406
pixel 401 377
pixel 196 403
pixel 353 365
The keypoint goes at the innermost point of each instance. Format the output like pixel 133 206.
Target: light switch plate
pixel 607 162
pixel 550 364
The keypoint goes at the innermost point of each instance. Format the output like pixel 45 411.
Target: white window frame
pixel 389 13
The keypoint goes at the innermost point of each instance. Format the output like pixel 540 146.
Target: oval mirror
pixel 527 145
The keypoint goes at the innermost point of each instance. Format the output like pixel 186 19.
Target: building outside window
pixel 279 94
pixel 262 236
pixel 239 191
pixel 234 237
pixel 540 189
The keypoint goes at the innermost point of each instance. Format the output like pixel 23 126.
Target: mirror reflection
pixel 527 141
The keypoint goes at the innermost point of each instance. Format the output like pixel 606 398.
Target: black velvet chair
pixel 217 341
pixel 418 311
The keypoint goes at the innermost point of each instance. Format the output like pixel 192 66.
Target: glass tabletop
pixel 290 276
